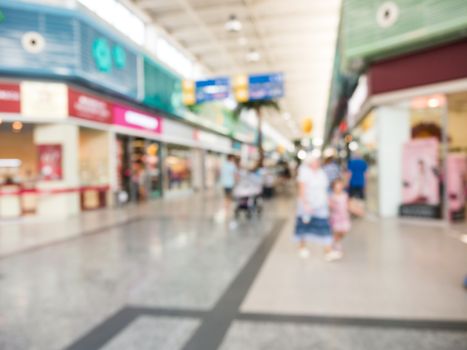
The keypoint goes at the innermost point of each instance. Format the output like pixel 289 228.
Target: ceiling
pixel 296 37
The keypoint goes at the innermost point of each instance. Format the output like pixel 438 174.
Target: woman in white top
pixel 312 222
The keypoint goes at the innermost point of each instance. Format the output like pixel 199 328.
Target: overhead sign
pixel 10 101
pixel 44 100
pixel 212 89
pixel 265 86
pixel 135 119
pixel 85 106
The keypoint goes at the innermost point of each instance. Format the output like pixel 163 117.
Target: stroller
pixel 247 194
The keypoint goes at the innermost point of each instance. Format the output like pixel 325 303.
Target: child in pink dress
pixel 340 217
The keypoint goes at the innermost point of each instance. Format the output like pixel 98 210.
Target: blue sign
pixel 212 89
pixel 266 86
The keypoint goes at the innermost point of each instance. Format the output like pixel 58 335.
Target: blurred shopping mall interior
pixel 233 174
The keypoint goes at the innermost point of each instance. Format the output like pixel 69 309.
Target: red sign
pixel 89 107
pixel 50 162
pixel 10 101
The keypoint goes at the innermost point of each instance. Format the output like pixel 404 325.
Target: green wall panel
pixel 162 88
pixel 420 23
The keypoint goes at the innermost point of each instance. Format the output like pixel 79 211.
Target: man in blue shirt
pixel 357 168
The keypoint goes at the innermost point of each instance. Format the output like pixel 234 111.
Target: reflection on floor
pixel 168 276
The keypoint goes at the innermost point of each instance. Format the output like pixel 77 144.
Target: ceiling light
pixel 233 25
pixel 301 154
pixel 253 56
pixel 17 126
pixel 353 146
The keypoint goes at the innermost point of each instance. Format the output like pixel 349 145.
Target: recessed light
pixel 253 56
pixel 233 25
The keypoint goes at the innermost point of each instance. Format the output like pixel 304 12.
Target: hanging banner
pixel 50 162
pixel 266 86
pixel 212 89
pixel 420 179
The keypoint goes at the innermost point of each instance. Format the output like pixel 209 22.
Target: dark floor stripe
pixel 445 325
pixel 108 329
pixel 76 237
pixel 166 312
pixel 210 334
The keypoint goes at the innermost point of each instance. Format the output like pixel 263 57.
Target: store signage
pixel 265 86
pixel 136 119
pixel 44 100
pixel 10 101
pixel 85 106
pixel 50 162
pixel 212 89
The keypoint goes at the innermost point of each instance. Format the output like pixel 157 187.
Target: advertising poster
pixel 456 185
pixel 420 172
pixel 50 162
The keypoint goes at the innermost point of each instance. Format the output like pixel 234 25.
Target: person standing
pixel 312 222
pixel 357 168
pixel 331 169
pixel 228 179
pixel 340 216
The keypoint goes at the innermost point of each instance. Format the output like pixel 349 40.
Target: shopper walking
pixel 228 178
pixel 312 222
pixel 357 168
pixel 340 216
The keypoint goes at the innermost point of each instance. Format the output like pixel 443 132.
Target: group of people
pixel 323 210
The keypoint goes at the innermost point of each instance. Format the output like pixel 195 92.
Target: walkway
pixel 168 276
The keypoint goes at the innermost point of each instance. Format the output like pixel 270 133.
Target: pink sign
pixel 420 172
pixel 135 119
pixel 50 162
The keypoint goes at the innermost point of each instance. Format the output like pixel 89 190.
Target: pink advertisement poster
pixel 420 172
pixel 457 177
pixel 135 119
pixel 50 162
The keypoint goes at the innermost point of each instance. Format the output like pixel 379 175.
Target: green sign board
pixel 2 16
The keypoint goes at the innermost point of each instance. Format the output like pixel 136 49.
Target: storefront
pixel 416 127
pixel 138 168
pixel 64 149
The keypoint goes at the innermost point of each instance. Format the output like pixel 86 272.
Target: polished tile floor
pixel 170 275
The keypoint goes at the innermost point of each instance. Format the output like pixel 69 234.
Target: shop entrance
pixel 138 168
pixel 178 169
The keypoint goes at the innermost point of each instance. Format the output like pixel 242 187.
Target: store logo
pixel 92 106
pixel 141 120
pixel 9 95
pixel 105 57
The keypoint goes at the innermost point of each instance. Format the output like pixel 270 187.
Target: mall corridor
pixel 171 276
pixel 233 175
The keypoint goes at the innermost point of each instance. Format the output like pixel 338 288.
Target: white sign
pixel 44 100
pixel 141 120
pixel 357 100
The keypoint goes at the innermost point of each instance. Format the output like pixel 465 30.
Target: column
pixel 393 130
pixel 67 202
